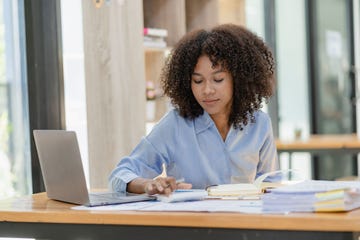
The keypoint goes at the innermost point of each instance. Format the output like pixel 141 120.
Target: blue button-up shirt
pixel 194 150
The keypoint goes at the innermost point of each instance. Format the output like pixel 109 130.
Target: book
pixel 156 32
pixel 258 187
pixel 343 204
pixel 154 43
pixel 314 196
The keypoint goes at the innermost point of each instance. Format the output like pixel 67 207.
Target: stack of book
pixel 314 196
pixel 155 37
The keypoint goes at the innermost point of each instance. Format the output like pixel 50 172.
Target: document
pixel 240 206
pixel 314 196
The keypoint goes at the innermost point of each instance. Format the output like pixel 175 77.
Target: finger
pixel 184 186
pixel 164 185
pixel 160 186
pixel 171 183
pixel 149 188
pixel 167 191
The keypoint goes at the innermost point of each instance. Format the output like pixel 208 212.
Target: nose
pixel 208 88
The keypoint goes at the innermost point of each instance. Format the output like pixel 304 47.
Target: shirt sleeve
pixel 268 154
pixel 148 157
pixel 145 161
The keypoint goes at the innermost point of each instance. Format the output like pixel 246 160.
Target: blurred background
pixel 93 66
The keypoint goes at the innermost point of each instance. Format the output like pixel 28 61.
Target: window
pixel 15 176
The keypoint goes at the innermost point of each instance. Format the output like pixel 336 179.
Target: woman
pixel 215 134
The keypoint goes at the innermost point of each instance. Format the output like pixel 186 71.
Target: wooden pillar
pixel 115 82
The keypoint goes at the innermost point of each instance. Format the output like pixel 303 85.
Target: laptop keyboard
pixel 105 196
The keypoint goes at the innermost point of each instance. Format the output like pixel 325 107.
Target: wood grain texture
pixel 154 62
pixel 209 13
pixel 201 14
pixel 115 83
pixel 38 208
pixel 319 142
pixel 232 11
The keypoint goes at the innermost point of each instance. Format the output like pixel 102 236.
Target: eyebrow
pixel 213 73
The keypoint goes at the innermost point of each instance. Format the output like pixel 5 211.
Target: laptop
pixel 63 173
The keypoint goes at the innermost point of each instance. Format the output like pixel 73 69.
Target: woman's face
pixel 212 87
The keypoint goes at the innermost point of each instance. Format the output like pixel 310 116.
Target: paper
pixel 333 40
pixel 240 206
pixel 208 206
pixel 314 196
pixel 316 186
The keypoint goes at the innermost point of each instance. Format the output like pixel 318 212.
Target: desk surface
pixel 39 209
pixel 321 142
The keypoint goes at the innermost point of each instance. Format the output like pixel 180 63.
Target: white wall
pixel 74 79
pixel 294 110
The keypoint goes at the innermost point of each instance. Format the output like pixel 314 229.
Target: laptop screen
pixel 61 165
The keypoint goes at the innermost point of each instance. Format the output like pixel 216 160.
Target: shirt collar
pixel 203 122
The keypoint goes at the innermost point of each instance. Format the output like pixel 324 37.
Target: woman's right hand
pixel 165 185
pixel 160 185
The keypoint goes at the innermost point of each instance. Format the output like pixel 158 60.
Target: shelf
pixel 179 17
pixel 157 50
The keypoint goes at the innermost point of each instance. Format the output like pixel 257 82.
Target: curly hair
pixel 243 54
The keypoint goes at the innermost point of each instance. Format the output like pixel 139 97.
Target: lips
pixel 210 100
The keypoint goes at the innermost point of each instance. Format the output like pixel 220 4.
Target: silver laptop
pixel 63 173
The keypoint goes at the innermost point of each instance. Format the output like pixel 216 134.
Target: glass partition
pixel 15 173
pixel 333 96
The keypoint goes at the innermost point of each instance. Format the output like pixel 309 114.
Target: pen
pixel 180 180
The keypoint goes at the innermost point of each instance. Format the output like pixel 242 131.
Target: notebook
pixel 63 173
pixel 248 190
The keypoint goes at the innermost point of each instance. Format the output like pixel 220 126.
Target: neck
pixel 222 124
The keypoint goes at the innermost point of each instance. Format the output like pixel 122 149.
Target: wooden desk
pixel 347 143
pixel 38 217
pixel 317 144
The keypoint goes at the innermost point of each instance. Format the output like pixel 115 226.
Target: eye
pixel 197 81
pixel 219 80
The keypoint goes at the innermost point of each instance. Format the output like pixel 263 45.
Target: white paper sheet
pixel 242 206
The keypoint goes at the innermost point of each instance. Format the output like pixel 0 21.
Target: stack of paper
pixel 314 196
